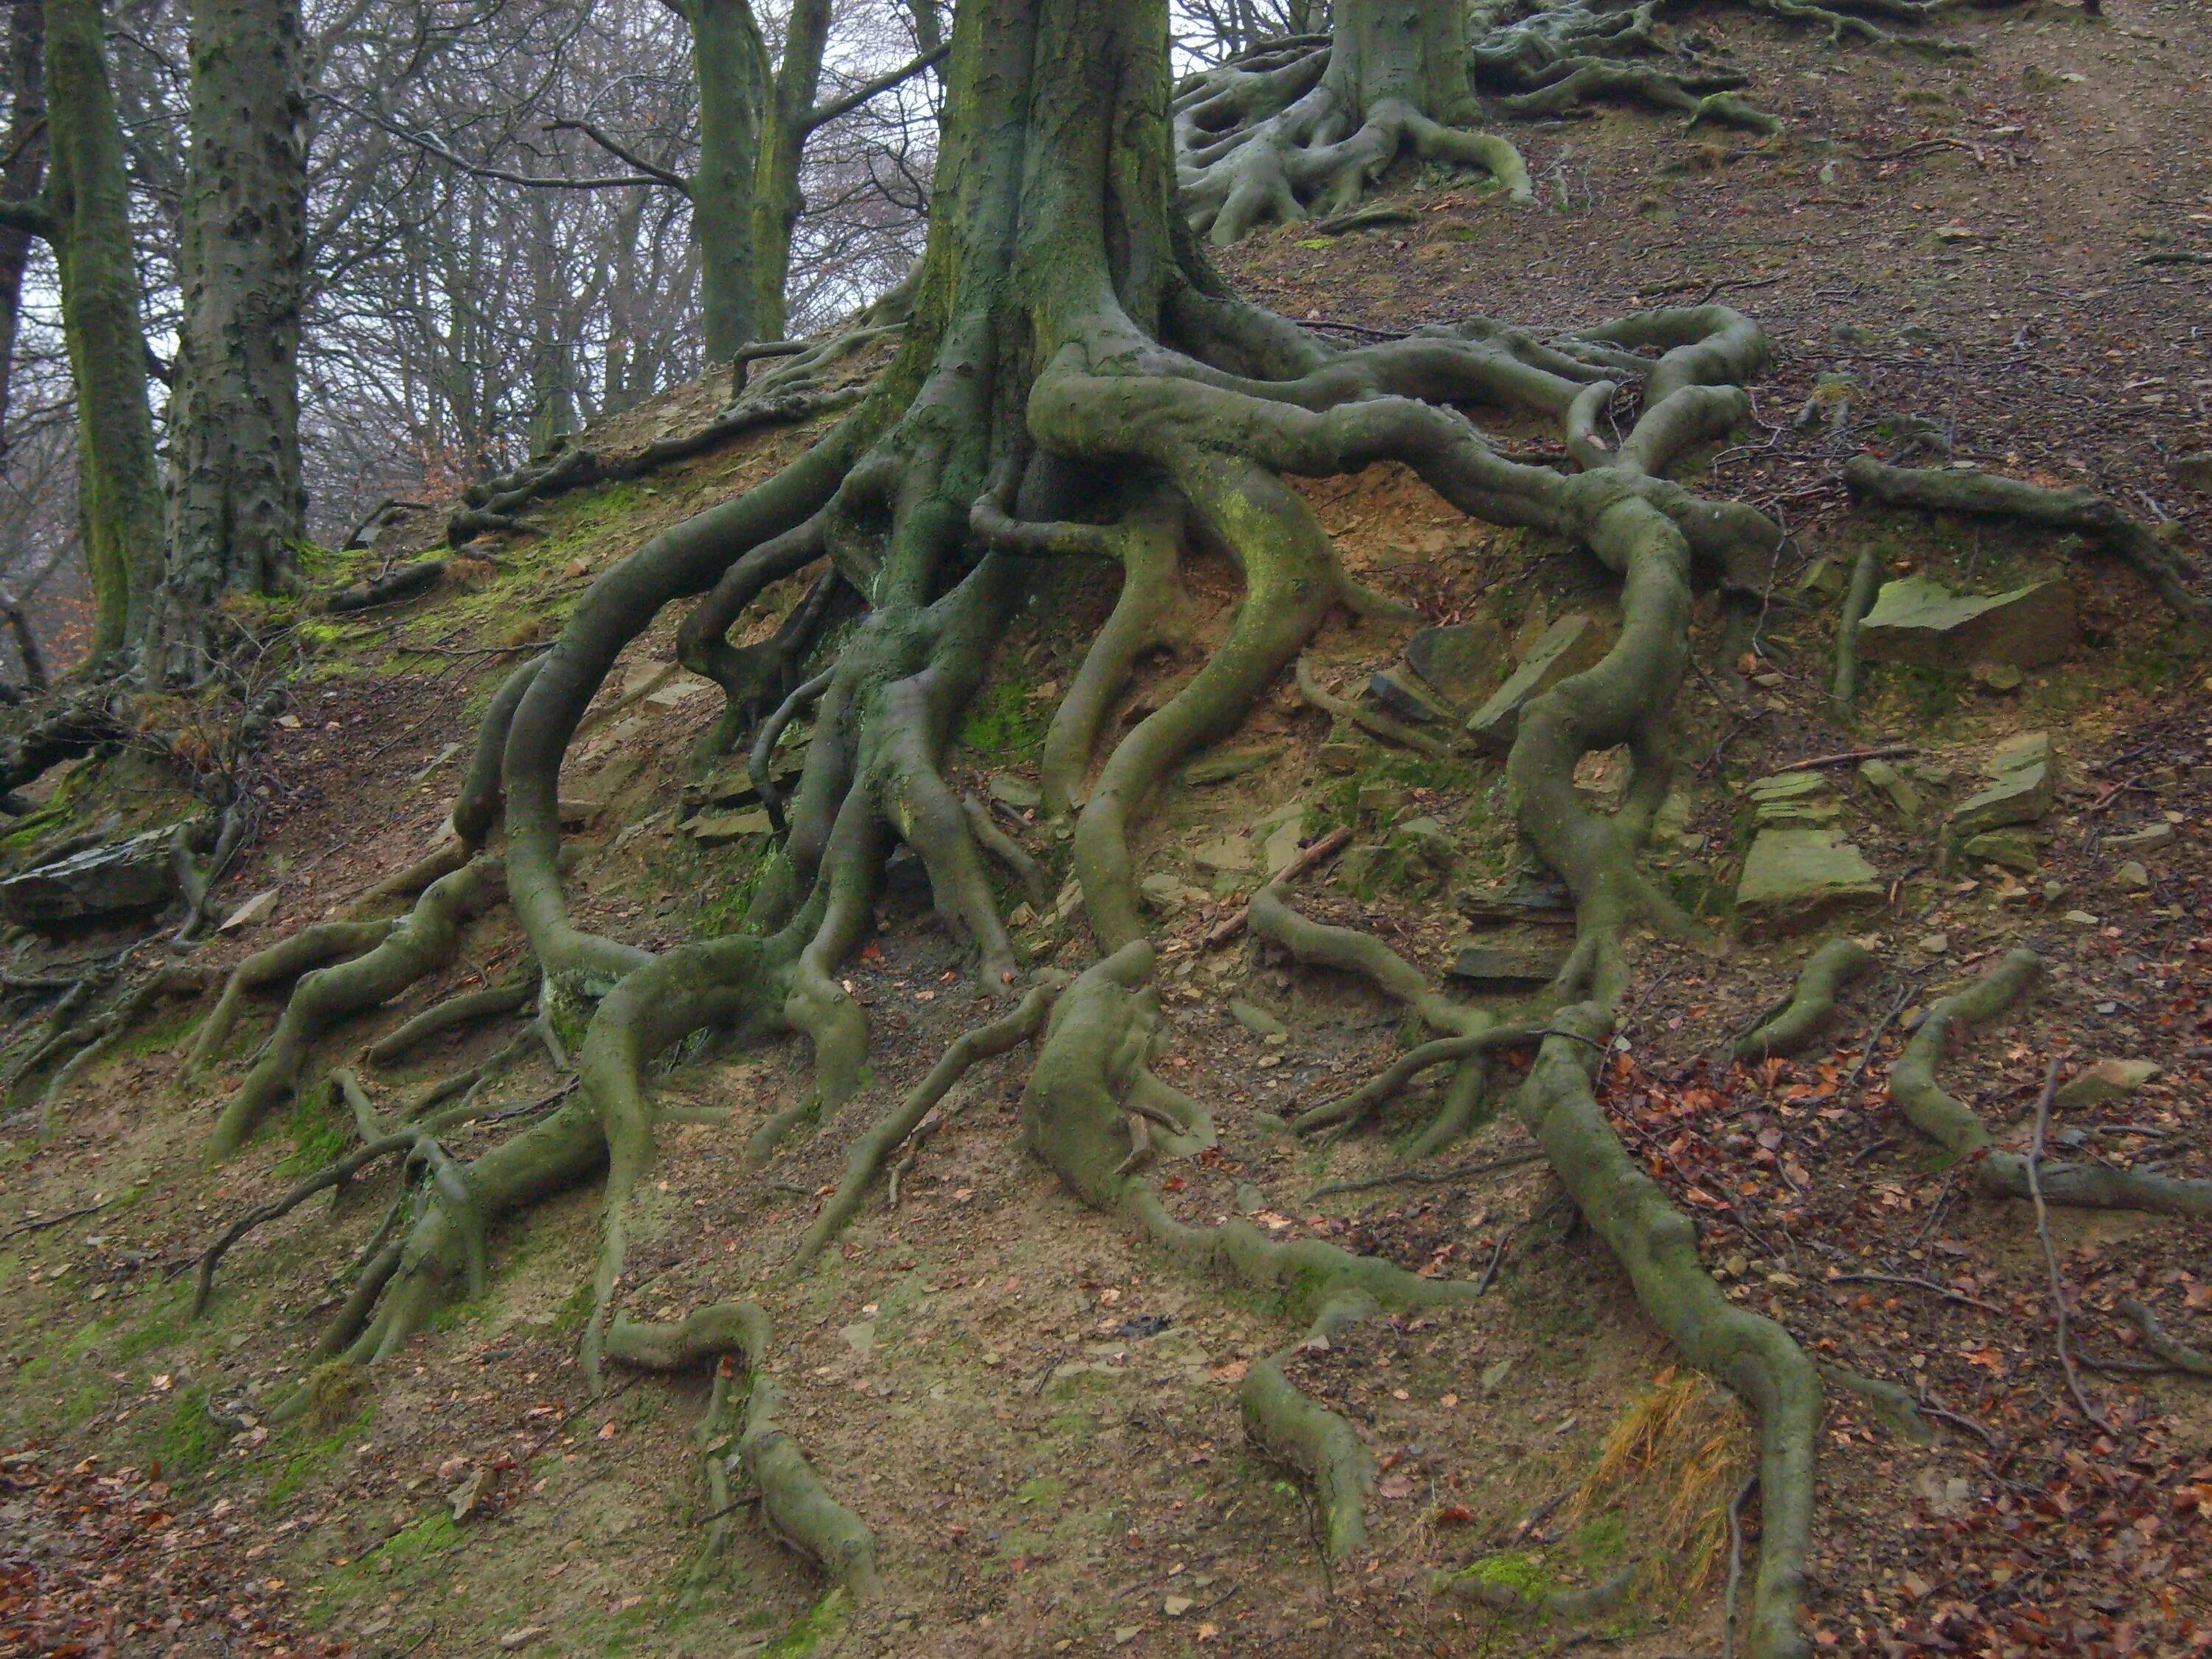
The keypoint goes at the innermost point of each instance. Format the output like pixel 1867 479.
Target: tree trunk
pixel 238 507
pixel 87 208
pixel 23 176
pixel 732 64
pixel 777 199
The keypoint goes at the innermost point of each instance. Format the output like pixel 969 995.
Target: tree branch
pixel 860 95
pixel 28 217
pixel 432 147
pixel 673 180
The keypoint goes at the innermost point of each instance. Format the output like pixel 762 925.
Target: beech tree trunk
pixel 237 506
pixel 731 61
pixel 22 175
pixel 776 199
pixel 85 216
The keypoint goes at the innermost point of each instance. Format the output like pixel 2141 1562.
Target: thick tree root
pixel 1470 1032
pixel 1954 1126
pixel 1077 1117
pixel 424 942
pixel 887 1133
pixel 1858 599
pixel 514 993
pixel 1656 1243
pixel 2153 549
pixel 1793 1028
pixel 286 959
pixel 2161 1345
pixel 409 581
pixel 793 1501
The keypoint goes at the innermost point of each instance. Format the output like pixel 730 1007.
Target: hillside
pixel 1998 261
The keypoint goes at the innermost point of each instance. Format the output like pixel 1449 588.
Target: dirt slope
pixel 1035 1412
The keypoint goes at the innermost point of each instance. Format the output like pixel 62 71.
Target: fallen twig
pixel 2050 1253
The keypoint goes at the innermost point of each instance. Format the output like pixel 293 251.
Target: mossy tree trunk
pixel 22 175
pixel 790 120
pixel 731 61
pixel 85 216
pixel 237 508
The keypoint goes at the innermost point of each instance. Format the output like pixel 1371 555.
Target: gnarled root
pixel 890 1132
pixel 793 1501
pixel 1077 1117
pixel 514 993
pixel 1791 1028
pixel 288 958
pixel 1954 1125
pixel 1656 1244
pixel 2153 549
pixel 425 941
pixel 1469 1032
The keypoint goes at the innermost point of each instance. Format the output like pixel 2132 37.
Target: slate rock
pixel 1399 695
pixel 1793 800
pixel 2155 839
pixel 2193 471
pixel 121 878
pixel 1894 784
pixel 1793 878
pixel 720 829
pixel 1459 663
pixel 2022 792
pixel 1525 896
pixel 2108 1079
pixel 1018 792
pixel 2009 849
pixel 1567 647
pixel 1432 841
pixel 1533 960
pixel 1922 622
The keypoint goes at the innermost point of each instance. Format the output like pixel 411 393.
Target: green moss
pixel 1522 1571
pixel 317 1134
pixel 1000 724
pixel 822 1623
pixel 313 1449
pixel 1039 1489
pixel 1600 1542
pixel 188 1441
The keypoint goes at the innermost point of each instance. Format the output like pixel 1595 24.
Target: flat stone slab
pixel 1531 960
pixel 720 829
pixel 1400 694
pixel 1522 896
pixel 2107 1079
pixel 1567 647
pixel 1461 662
pixel 119 879
pixel 1921 622
pixel 1793 878
pixel 2023 791
pixel 2010 849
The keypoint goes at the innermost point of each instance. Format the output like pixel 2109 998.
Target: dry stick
pixel 1850 757
pixel 45 1222
pixel 1929 1285
pixel 1735 1565
pixel 1312 858
pixel 1424 1177
pixel 2050 1255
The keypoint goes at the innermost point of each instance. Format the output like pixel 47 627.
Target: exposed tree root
pixel 794 1500
pixel 1791 1028
pixel 2153 550
pixel 423 942
pixel 408 582
pixel 890 1132
pixel 790 395
pixel 2161 1345
pixel 1858 599
pixel 514 993
pixel 1301 127
pixel 103 1030
pixel 286 959
pixel 1954 1126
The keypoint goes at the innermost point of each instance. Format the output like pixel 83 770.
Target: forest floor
pixel 1033 1410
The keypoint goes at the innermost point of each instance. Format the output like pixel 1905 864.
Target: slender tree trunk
pixel 237 506
pixel 23 174
pixel 732 64
pixel 777 199
pixel 87 210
